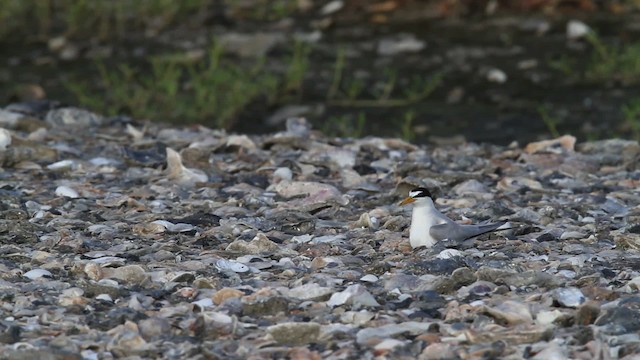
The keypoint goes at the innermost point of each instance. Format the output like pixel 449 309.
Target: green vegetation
pixel 406 128
pixel 631 112
pixel 605 62
pixel 102 18
pixel 211 91
pixel 347 92
pixel 345 125
pixel 549 121
pixel 613 62
pixel 263 10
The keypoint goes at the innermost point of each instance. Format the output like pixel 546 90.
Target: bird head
pixel 418 195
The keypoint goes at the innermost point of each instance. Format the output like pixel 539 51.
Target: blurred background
pixel 428 71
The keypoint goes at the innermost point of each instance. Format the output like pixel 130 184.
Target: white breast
pixel 422 220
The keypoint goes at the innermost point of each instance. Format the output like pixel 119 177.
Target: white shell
pixel 37 273
pixel 104 297
pixel 369 278
pixel 230 265
pixel 175 228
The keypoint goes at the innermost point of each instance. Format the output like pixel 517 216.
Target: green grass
pixel 406 127
pixel 613 62
pixel 346 125
pixel 350 91
pixel 262 10
pixel 549 121
pixel 212 91
pixel 631 113
pixel 604 62
pixel 104 19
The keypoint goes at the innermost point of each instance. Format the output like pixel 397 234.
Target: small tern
pixel 428 225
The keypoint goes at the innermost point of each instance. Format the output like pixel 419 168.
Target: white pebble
pixel 104 297
pixel 66 191
pixel 369 278
pixel 449 253
pixel 332 7
pixel 5 139
pixel 577 29
pixel 62 165
pixel 203 303
pixel 497 76
pixel 283 173
pixel 37 273
pixel 225 265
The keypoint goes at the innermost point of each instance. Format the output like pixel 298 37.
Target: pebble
pixel 37 274
pixel 295 333
pixel 569 297
pixel 66 191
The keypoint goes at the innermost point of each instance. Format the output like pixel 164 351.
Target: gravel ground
pixel 128 240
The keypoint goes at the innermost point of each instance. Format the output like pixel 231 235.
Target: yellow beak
pixel 408 200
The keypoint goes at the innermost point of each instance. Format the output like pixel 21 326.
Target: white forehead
pixel 414 193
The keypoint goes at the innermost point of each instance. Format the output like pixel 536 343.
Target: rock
pixel 265 306
pixel 310 291
pixel 73 118
pixel 568 297
pixel 497 76
pixel 179 173
pixel 295 333
pixel 226 293
pixel 130 274
pixel 587 313
pixel 126 341
pixel 563 143
pixel 510 312
pixel 37 274
pixel 576 29
pixel 66 191
pixel 259 245
pixel 403 43
pixel 355 295
pixel 378 334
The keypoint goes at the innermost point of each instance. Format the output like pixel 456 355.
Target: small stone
pixel 356 295
pixel 37 274
pixel 310 291
pixel 563 143
pixel 259 245
pixel 132 274
pixel 587 313
pixel 576 29
pixel 66 191
pixel 510 312
pixel 295 333
pixel 261 306
pixel 497 76
pixel 226 293
pixel 377 334
pixel 72 117
pixel 369 278
pixel 568 297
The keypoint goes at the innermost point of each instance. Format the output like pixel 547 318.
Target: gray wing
pixel 457 232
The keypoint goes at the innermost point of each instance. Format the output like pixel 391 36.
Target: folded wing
pixel 456 232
